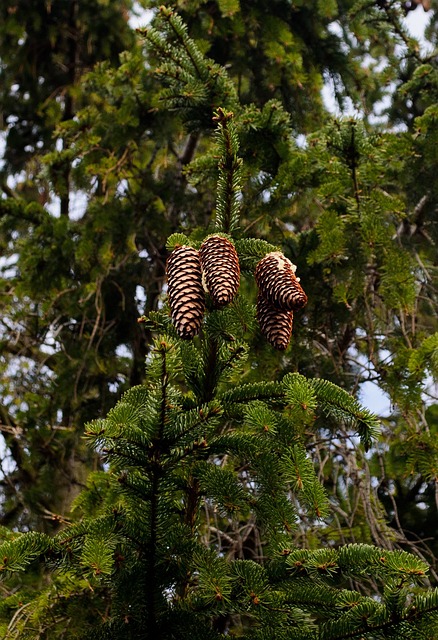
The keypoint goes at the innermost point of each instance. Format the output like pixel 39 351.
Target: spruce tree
pixel 45 50
pixel 71 287
pixel 189 532
pixel 212 474
pixel 355 210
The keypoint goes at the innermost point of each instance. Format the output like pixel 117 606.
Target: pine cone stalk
pixel 220 266
pixel 185 291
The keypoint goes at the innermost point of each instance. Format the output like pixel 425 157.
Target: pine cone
pixel 220 265
pixel 275 324
pixel 185 290
pixel 275 276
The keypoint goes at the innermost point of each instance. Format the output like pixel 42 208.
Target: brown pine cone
pixel 220 266
pixel 185 291
pixel 275 324
pixel 275 276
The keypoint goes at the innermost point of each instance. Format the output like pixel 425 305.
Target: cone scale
pixel 185 291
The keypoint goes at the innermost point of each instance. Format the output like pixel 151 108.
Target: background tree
pixel 44 51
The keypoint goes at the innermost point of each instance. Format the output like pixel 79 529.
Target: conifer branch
pixel 155 495
pixel 336 399
pixel 352 159
pixel 394 18
pixel 195 83
pixel 253 391
pixel 16 554
pixel 229 165
pixel 180 31
pixel 251 251
pixel 211 371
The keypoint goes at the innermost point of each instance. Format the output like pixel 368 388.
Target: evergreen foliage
pixel 224 493
pixel 157 539
pixel 227 199
pixel 183 450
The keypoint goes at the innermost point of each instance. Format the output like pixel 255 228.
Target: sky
pixel 417 21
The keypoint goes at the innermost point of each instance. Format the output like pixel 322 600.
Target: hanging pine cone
pixel 220 266
pixel 275 276
pixel 275 324
pixel 185 290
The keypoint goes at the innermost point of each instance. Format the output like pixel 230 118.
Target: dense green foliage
pixel 225 493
